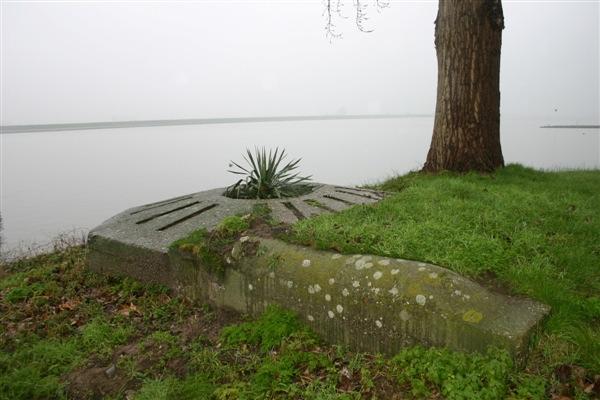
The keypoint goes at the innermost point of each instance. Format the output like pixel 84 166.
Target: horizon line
pixel 76 126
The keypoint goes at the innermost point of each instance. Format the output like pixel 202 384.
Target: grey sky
pixel 93 61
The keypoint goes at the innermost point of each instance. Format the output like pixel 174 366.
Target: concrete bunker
pixel 366 302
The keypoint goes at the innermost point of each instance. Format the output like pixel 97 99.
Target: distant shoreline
pixel 571 126
pixel 8 129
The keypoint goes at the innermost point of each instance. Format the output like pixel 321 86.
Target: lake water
pixel 61 182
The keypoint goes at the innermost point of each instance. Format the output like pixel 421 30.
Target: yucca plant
pixel 266 177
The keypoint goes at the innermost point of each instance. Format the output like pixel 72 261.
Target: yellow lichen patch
pixel 414 289
pixel 472 316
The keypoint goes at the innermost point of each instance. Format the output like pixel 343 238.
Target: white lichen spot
pixel 369 284
pixel 395 271
pixel 336 256
pixel 421 300
pixel 250 287
pixel 290 284
pixel 359 264
pixel 355 284
pixel 422 269
pixel 331 281
pixel 378 323
pixel 345 292
pixel 368 265
pixel 377 275
pixel 317 288
pixel 375 290
pixel 306 263
pixel 311 289
pixel 383 262
pixel 244 239
pixel 466 296
pixel 357 256
pixel 430 297
pixel 458 292
pixel 327 297
pixel 393 291
pixel 339 308
pixel 433 275
pixel 311 318
pixel 404 315
pixel 331 314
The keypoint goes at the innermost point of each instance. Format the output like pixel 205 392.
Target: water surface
pixel 56 182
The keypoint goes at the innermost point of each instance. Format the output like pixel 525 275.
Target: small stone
pixel 422 269
pixel 339 308
pixel 430 297
pixel 336 256
pixel 345 292
pixel 306 263
pixel 375 290
pixel 368 265
pixel 421 300
pixel 244 239
pixel 360 264
pixel 395 271
pixel 378 323
pixel 421 264
pixel 110 371
pixel 311 318
pixel 311 289
pixel 331 281
pixel 317 288
pixel 355 284
pixel 433 275
pixel 327 297
pixel 250 287
pixel 383 262
pixel 458 292
pixel 272 275
pixel 377 275
pixel 393 291
pixel 466 296
pixel 290 284
pixel 330 314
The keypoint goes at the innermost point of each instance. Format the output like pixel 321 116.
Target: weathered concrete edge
pixel 369 324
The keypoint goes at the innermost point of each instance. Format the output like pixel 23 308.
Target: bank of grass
pixel 536 233
pixel 67 333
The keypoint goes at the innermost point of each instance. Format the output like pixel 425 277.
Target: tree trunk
pixel 466 132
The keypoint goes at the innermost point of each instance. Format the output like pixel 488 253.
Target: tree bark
pixel 466 132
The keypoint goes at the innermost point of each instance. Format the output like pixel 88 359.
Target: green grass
pixel 537 232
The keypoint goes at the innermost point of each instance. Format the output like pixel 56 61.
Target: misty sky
pixel 83 61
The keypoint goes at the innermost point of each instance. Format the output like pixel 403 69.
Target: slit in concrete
pixel 375 192
pixel 318 204
pixel 150 218
pixel 161 203
pixel 192 215
pixel 340 200
pixel 293 209
pixel 366 195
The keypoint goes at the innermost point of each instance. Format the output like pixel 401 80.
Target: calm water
pixel 57 182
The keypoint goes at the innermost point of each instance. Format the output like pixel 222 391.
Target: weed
pixel 266 178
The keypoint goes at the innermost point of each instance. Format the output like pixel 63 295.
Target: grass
pixel 62 328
